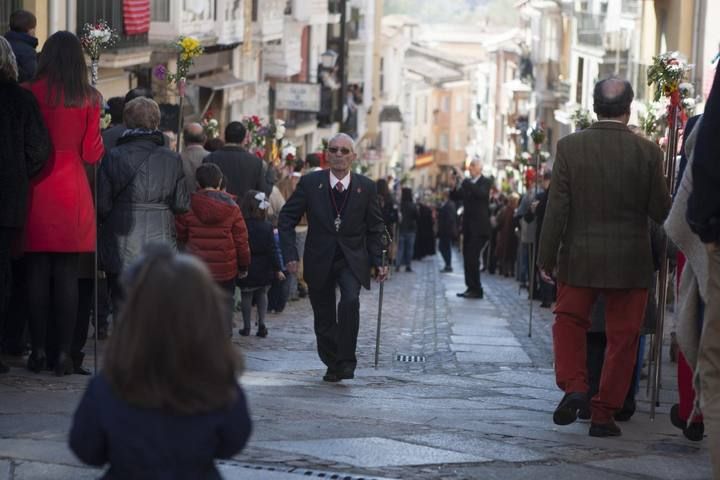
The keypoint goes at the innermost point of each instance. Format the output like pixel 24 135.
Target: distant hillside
pixel 497 12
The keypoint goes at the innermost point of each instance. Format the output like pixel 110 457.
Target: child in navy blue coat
pixel 167 401
pixel 265 264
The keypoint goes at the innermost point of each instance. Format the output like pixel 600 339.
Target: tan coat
pixel 606 181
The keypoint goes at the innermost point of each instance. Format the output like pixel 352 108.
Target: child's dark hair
pixel 251 206
pixel 170 349
pixel 208 175
pixel 22 21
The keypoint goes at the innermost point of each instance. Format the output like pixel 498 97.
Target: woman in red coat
pixel 61 216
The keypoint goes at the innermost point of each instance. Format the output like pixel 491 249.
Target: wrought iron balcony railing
pixel 89 11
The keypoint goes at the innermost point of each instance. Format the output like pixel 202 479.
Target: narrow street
pixel 474 401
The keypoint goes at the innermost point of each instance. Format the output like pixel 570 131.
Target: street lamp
pixel 328 59
pixel 329 83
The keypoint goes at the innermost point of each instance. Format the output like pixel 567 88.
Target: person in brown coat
pixel 215 231
pixel 507 240
pixel 607 181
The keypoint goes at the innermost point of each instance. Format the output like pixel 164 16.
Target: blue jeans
pixel 406 247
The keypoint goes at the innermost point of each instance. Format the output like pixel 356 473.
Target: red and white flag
pixel 137 16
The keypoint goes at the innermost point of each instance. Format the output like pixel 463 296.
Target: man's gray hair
pixel 476 161
pixel 8 64
pixel 344 136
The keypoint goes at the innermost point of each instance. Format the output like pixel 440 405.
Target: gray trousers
pixel 709 359
pixel 259 297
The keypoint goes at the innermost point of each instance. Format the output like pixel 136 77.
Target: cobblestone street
pixel 477 403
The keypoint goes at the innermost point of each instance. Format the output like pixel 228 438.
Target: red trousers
pixel 624 315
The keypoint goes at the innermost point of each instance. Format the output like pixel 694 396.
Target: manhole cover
pixel 231 469
pixel 410 358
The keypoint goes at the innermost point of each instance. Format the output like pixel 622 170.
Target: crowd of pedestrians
pixel 217 229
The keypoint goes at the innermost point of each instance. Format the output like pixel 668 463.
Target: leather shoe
pixel 608 429
pixel 584 414
pixel 471 294
pixel 446 270
pixel 331 377
pixel 626 412
pixel 244 332
pixel 80 370
pixel 262 331
pixel 64 365
pixel 346 374
pixel 567 410
pixel 695 432
pixel 36 361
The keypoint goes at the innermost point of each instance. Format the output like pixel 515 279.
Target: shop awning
pixel 218 81
pixel 235 89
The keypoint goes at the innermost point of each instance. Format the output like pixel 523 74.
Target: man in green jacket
pixel 607 181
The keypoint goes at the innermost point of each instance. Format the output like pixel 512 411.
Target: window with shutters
pixel 160 10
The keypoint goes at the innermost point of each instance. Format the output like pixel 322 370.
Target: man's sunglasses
pixel 343 150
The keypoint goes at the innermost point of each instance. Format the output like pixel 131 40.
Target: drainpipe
pixel 698 32
pixel 70 15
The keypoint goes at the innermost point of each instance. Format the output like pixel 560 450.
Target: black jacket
pixel 475 197
pixel 23 46
pixel 242 170
pixel 24 149
pixel 264 260
pixel 447 220
pixel 408 217
pixel 360 237
pixel 703 213
pixel 141 187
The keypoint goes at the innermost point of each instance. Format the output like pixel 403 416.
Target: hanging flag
pixel 136 16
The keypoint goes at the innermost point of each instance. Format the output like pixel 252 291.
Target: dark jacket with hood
pixel 215 231
pixel 23 46
pixel 264 258
pixel 141 187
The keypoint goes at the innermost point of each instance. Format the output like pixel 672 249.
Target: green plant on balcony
pixel 581 118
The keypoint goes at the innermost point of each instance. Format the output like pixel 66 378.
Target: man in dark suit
pixel 242 170
pixel 606 183
pixel 344 239
pixel 474 193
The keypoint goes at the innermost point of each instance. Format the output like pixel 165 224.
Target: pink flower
pixel 160 72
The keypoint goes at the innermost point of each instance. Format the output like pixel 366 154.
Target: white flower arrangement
pixel 279 129
pixel 97 37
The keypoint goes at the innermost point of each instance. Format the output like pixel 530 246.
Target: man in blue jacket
pixel 23 42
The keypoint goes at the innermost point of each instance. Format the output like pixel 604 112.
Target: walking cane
pixel 531 270
pixel 380 302
pixel 670 159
